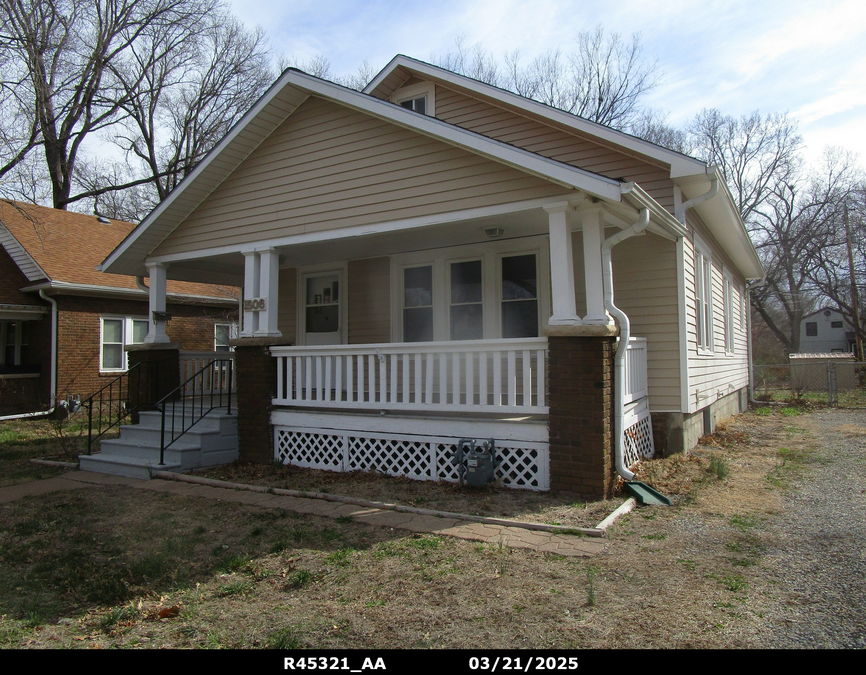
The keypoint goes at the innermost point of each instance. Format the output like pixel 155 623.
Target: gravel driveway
pixel 817 547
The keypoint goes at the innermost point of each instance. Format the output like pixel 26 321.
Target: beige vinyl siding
pixel 369 301
pixel 287 318
pixel 328 167
pixel 551 141
pixel 645 288
pixel 717 374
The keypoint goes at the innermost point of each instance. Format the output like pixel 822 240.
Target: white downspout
pixel 139 281
pixel 680 211
pixel 624 334
pixel 53 391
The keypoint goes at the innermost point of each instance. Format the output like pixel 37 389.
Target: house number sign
pixel 254 305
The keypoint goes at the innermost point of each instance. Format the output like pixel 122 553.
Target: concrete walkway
pixel 514 537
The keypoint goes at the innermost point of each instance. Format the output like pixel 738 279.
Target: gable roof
pixel 692 175
pixel 294 87
pixel 61 249
pixel 284 97
pixel 402 67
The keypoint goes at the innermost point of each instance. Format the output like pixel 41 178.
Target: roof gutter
pixel 53 390
pixel 624 335
pixel 700 199
pixel 64 287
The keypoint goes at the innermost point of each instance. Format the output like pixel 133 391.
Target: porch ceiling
pixel 228 268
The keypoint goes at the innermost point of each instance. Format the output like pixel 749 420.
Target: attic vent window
pixel 418 105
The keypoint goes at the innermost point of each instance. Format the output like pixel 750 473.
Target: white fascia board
pixel 523 160
pixel 66 288
pixel 25 262
pixel 529 162
pixel 232 134
pixel 681 165
pixel 366 230
pixel 725 222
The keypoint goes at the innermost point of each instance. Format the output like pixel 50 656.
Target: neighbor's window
pixel 519 297
pixel 835 324
pixel 14 341
pixel 117 333
pixel 223 332
pixel 811 328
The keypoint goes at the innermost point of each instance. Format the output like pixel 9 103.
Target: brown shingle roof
pixel 68 246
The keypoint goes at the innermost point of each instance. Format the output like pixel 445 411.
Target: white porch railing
pixel 635 370
pixel 480 376
pixel 211 381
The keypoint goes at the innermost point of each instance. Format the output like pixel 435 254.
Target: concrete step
pixel 211 441
pixel 124 466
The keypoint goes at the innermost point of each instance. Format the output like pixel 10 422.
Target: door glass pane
pixel 323 311
pixel 418 286
pixel 519 297
pixel 418 304
pixel 467 314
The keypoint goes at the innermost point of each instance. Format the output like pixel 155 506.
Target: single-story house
pixel 825 331
pixel 64 326
pixel 436 259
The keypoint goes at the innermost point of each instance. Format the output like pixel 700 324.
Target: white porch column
pixel 561 266
pixel 593 236
pixel 269 284
pixel 250 323
pixel 157 315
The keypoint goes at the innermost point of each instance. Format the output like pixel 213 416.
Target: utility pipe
pixel 624 334
pixel 53 392
pixel 709 194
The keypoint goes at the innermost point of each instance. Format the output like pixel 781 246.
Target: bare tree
pixel 183 88
pixel 760 158
pixel 603 79
pixel 62 52
pixel 843 237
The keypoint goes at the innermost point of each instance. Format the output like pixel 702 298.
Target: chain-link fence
pixel 834 382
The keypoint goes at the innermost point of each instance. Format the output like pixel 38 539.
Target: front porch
pixel 402 408
pixel 380 350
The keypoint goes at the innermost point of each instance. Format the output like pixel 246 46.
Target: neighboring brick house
pixel 48 257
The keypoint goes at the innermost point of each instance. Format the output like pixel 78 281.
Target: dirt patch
pixel 96 567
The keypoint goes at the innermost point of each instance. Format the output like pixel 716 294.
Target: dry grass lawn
pixel 120 567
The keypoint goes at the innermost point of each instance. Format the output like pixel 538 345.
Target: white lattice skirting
pixel 524 464
pixel 638 434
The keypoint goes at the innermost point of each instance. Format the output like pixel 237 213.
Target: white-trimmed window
pixel 416 97
pixel 491 293
pixel 222 333
pixel 729 313
pixel 704 296
pixel 14 343
pixel 116 332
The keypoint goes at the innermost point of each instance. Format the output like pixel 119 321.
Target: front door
pixel 322 296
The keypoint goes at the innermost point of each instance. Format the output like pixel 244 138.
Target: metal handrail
pixel 113 394
pixel 197 401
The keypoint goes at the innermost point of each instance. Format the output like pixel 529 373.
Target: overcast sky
pixel 804 57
